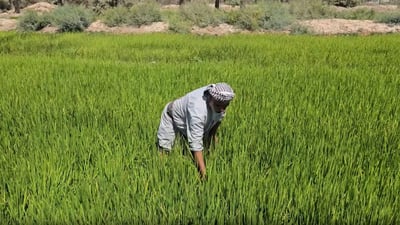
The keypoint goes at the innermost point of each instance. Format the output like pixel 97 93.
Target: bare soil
pixel 342 26
pixel 8 22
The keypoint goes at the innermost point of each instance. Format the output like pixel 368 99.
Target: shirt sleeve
pixel 196 116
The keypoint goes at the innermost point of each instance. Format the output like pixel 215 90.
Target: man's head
pixel 221 95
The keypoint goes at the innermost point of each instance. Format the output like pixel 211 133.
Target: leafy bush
pixel 178 25
pixel 309 9
pixel 275 17
pixel 115 16
pixel 357 14
pixel 201 14
pixel 230 17
pixel 297 28
pixel 70 18
pixel 33 21
pixel 246 18
pixel 144 13
pixel 389 18
pixel 232 2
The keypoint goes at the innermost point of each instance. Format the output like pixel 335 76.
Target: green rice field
pixel 312 136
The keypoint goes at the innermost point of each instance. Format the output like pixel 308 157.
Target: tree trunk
pixel 181 2
pixel 17 6
pixel 217 4
pixel 60 2
pixel 114 3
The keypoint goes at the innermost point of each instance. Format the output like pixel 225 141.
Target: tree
pixel 114 3
pixel 17 6
pixel 217 4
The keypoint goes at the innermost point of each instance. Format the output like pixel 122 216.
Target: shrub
pixel 232 2
pixel 33 21
pixel 144 13
pixel 201 14
pixel 231 17
pixel 116 16
pixel 275 17
pixel 297 28
pixel 70 18
pixel 178 25
pixel 311 9
pixel 357 14
pixel 389 18
pixel 246 18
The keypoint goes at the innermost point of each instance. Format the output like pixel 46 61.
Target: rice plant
pixel 311 138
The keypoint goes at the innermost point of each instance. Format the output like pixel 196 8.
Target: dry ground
pixel 8 22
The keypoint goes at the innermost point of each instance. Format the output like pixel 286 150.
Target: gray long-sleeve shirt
pixel 194 118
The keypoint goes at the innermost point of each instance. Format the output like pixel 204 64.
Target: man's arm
pixel 198 155
pixel 199 160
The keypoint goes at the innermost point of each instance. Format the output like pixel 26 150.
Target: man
pixel 196 116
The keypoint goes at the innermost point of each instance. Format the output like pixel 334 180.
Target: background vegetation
pixel 261 15
pixel 311 138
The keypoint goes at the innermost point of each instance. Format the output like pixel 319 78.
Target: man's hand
pixel 199 160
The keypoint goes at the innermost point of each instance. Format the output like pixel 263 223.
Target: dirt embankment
pixel 8 22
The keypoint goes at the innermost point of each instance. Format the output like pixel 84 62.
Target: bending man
pixel 196 116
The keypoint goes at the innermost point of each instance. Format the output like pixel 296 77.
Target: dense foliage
pixel 264 15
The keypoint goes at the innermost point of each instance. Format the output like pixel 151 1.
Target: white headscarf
pixel 221 92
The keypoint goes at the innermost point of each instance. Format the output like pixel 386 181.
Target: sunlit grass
pixel 312 136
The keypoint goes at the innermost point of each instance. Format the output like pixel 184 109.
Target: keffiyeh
pixel 221 92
